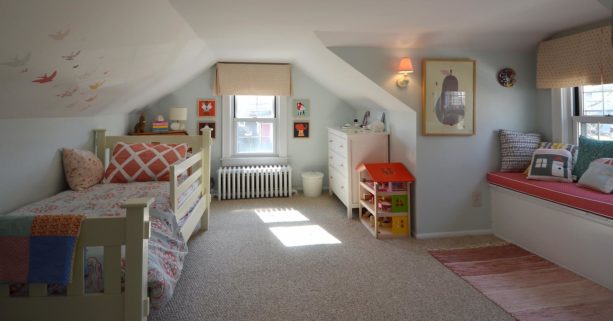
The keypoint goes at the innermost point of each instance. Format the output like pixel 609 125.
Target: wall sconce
pixel 405 68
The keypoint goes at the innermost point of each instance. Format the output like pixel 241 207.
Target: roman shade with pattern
pixel 253 79
pixel 584 58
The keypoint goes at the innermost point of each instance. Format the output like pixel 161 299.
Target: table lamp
pixel 178 115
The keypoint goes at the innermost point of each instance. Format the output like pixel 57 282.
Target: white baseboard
pixel 452 234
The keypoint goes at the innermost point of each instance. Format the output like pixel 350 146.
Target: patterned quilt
pixel 167 249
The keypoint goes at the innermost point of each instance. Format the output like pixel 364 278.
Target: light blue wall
pixel 450 169
pixel 31 154
pixel 304 154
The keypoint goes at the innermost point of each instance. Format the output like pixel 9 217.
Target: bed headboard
pixel 196 143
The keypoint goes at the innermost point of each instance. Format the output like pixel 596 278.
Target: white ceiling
pixel 130 53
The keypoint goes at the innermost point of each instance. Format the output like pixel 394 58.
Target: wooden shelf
pixel 382 193
pixel 370 207
pixel 384 232
pixel 169 132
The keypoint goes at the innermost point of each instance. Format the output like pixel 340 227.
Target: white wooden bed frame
pixel 577 240
pixel 132 231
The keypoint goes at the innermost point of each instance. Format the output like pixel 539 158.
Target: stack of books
pixel 159 126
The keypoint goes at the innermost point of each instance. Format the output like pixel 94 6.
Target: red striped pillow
pixel 143 162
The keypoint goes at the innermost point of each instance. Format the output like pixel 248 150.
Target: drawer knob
pixel 330 157
pixel 342 187
pixel 341 146
pixel 330 141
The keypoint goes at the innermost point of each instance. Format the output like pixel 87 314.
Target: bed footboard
pixel 113 304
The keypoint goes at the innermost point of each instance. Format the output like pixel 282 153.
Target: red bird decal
pixel 44 78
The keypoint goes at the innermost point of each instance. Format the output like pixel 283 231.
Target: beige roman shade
pixel 253 79
pixel 585 58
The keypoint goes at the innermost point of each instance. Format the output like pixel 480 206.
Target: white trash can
pixel 312 183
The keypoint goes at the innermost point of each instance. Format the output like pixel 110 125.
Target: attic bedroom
pixel 286 160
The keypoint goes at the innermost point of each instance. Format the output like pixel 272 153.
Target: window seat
pixel 566 224
pixel 562 193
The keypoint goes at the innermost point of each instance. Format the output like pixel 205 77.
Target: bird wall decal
pixel 45 78
pixel 71 56
pixel 60 35
pixel 96 85
pixel 17 62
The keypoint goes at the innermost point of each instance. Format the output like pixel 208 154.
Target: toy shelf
pixel 384 194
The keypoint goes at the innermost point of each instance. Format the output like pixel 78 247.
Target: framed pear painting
pixel 448 102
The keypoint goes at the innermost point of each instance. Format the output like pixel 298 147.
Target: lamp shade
pixel 406 66
pixel 177 113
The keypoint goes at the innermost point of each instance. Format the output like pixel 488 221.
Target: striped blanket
pixel 38 249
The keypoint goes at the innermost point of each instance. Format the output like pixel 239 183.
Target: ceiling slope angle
pixel 81 58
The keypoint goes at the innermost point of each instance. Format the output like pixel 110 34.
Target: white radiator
pixel 236 182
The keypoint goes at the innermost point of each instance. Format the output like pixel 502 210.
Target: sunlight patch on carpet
pixel 303 235
pixel 280 215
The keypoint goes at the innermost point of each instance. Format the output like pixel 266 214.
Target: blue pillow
pixel 590 150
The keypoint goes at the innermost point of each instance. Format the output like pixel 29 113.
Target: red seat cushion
pixel 563 193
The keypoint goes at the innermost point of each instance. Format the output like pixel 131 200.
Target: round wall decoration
pixel 506 77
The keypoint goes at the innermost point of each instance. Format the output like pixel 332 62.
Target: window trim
pixel 228 139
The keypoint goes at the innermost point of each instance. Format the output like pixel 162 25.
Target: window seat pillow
pixel 589 151
pixel 143 162
pixel 599 175
pixel 566 194
pixel 516 149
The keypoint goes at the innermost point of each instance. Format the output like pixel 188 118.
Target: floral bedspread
pixel 167 249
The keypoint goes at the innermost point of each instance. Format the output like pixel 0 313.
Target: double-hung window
pixel 255 125
pixel 593 115
pixel 254 130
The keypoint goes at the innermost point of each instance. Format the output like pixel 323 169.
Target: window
pixel 593 116
pixel 254 130
pixel 255 119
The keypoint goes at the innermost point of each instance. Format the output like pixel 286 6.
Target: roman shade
pixel 253 79
pixel 584 58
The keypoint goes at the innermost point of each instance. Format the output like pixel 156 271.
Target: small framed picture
pixel 206 107
pixel 301 108
pixel 211 125
pixel 301 129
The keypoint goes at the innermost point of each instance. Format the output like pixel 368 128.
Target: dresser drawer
pixel 339 185
pixel 338 162
pixel 337 144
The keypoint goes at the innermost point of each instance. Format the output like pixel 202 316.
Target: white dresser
pixel 346 150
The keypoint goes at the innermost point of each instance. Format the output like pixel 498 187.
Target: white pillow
pixel 599 176
pixel 551 165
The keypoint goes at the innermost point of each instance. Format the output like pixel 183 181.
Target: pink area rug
pixel 527 286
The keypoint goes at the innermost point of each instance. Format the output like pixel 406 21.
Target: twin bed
pixel 132 243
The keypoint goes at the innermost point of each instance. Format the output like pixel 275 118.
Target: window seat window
pixel 565 194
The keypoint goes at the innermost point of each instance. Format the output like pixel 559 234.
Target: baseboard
pixel 452 234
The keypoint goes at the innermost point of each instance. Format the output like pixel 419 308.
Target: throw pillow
pixel 569 147
pixel 590 150
pixel 516 149
pixel 143 162
pixel 551 165
pixel 599 175
pixel 82 168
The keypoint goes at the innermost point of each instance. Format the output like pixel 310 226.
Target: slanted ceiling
pixel 77 58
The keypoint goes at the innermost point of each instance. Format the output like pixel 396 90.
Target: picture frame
pixel 211 124
pixel 301 108
pixel 448 97
pixel 206 107
pixel 301 129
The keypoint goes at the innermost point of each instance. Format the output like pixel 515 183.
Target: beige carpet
pixel 239 270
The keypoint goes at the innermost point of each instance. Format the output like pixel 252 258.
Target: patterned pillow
pixel 569 147
pixel 599 175
pixel 516 149
pixel 82 168
pixel 590 150
pixel 551 165
pixel 143 162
